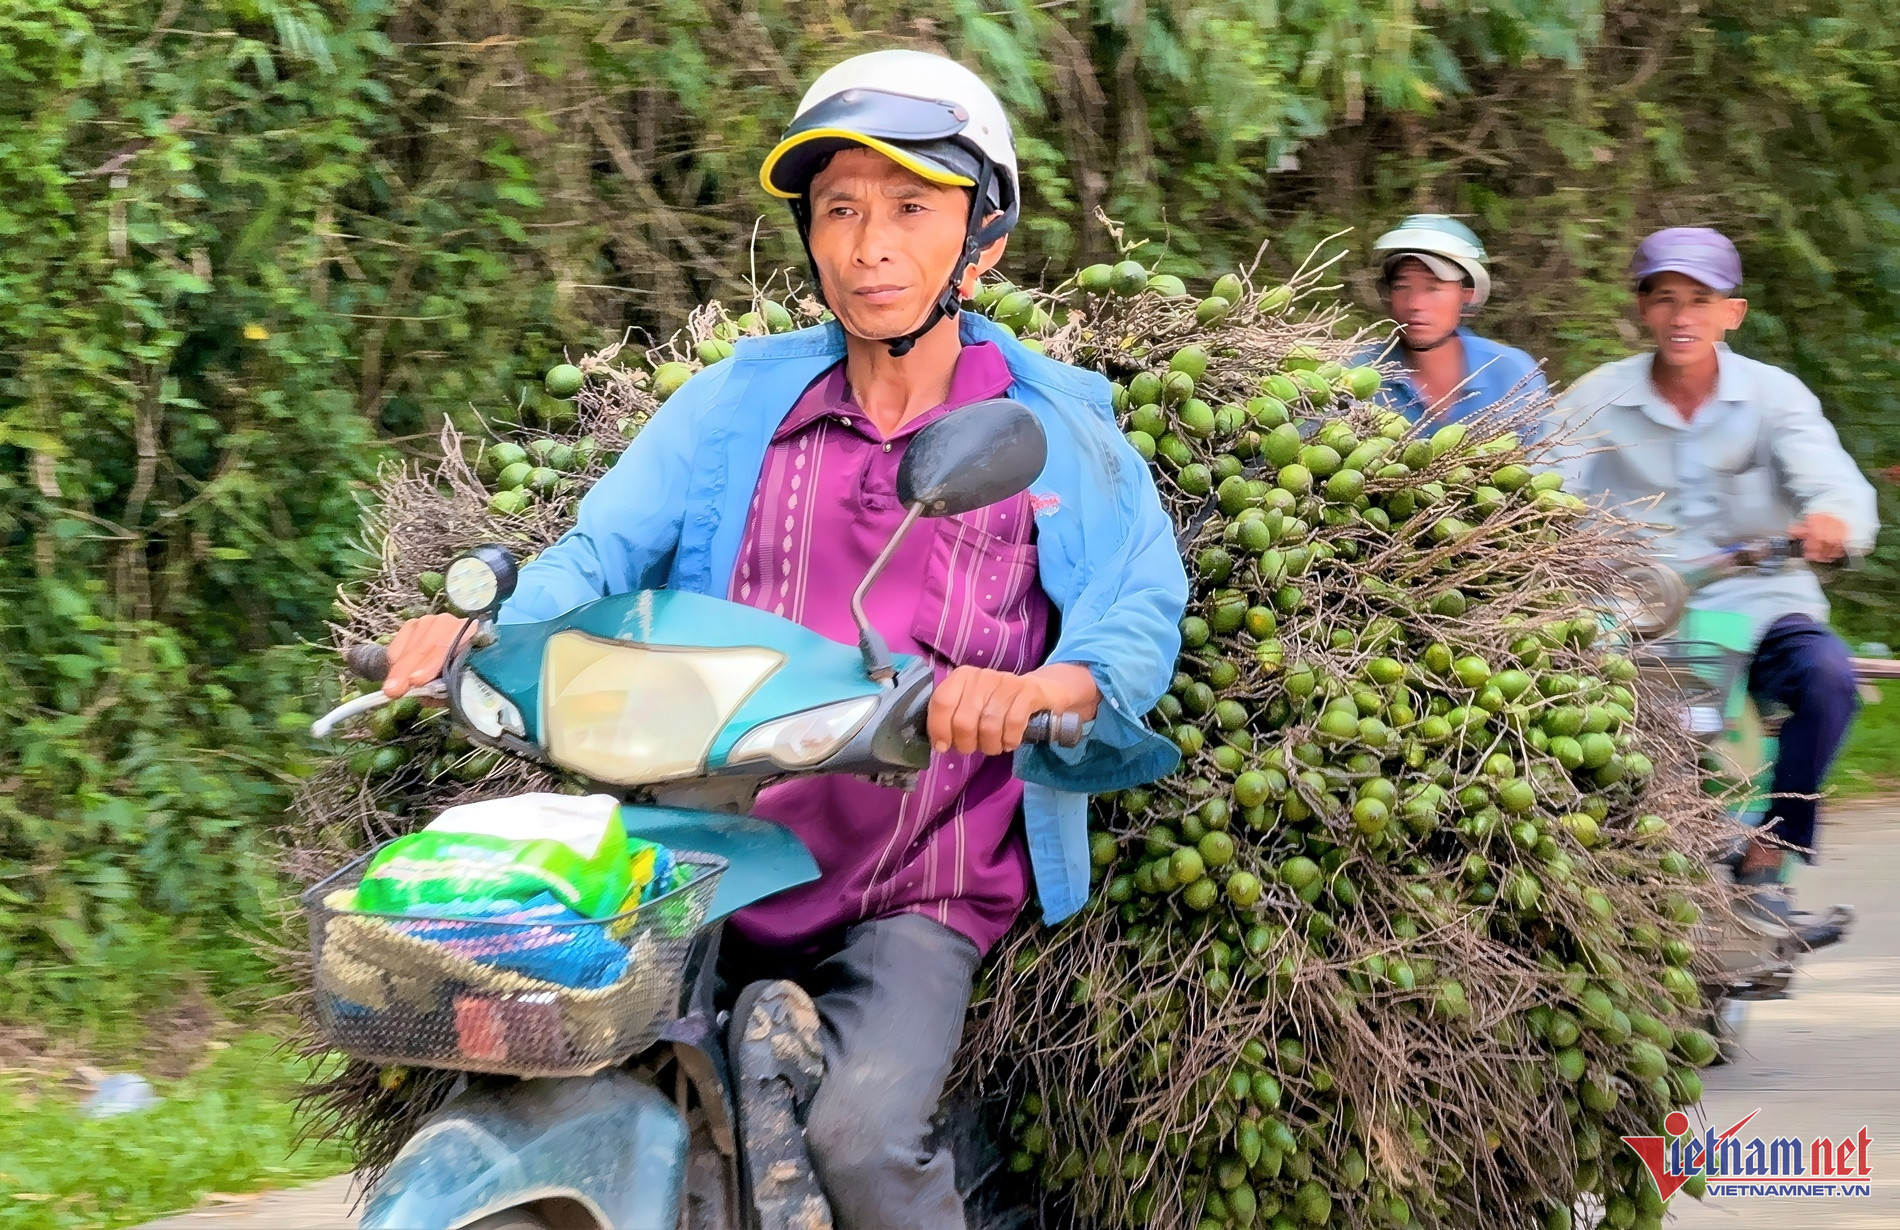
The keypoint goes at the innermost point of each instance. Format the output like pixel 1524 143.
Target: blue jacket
pixel 671 512
pixel 1494 373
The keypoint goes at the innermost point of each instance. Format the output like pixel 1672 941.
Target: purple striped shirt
pixel 959 591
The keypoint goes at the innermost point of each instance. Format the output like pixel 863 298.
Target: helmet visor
pixel 1442 269
pixel 915 133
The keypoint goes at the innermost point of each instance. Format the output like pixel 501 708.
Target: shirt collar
pixel 1733 380
pixel 981 372
pixel 1392 352
pixel 1404 395
pixel 1733 383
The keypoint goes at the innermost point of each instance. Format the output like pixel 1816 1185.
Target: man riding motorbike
pixel 769 479
pixel 1728 448
pixel 1433 277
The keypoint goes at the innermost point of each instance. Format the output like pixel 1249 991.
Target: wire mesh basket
pixel 535 998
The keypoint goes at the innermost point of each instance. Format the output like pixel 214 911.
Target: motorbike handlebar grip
pixel 1061 729
pixel 368 661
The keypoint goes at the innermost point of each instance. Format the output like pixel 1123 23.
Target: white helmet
pixel 928 114
pixel 1446 246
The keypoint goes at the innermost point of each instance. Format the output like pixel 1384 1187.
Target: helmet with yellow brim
pixel 931 116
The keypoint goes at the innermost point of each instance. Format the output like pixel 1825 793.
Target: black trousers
pixel 891 996
pixel 1805 668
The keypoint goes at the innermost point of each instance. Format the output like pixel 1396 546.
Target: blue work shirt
pixel 671 513
pixel 1494 373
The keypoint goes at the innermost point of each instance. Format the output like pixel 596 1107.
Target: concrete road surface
pixel 1827 1060
pixel 320 1206
pixel 1824 1062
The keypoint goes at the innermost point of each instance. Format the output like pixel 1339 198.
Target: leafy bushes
pixel 251 248
pixel 177 456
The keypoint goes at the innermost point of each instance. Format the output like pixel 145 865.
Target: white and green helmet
pixel 1442 244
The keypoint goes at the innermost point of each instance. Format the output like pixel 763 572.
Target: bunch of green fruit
pixel 1407 940
pixel 544 466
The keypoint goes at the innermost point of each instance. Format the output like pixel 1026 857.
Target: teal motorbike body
pixel 1744 750
pixel 814 671
pixel 610 1142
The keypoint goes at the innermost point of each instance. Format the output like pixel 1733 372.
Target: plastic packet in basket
pixel 476 857
pixel 655 872
pixel 544 940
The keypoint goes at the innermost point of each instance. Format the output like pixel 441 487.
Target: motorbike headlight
pixel 487 710
pixel 804 739
pixel 1656 597
pixel 632 714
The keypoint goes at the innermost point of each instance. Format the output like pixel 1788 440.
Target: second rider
pixel 1433 278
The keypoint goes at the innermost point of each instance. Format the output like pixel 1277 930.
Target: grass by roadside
pixel 1870 763
pixel 224 1128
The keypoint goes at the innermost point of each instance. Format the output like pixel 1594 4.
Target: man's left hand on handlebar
pixel 978 710
pixel 419 652
pixel 1823 537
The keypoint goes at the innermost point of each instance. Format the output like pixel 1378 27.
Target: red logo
pixel 1044 504
pixel 1758 1166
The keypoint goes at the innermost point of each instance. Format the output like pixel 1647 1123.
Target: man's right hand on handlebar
pixel 1823 537
pixel 419 651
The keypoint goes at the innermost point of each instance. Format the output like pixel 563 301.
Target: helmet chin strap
pixel 950 298
pixel 976 237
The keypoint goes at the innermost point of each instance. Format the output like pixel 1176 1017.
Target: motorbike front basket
pixel 519 998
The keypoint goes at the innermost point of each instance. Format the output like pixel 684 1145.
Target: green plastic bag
pixel 480 857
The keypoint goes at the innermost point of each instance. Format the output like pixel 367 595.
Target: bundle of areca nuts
pixel 1410 937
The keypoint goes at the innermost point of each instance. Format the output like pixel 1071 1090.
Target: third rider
pixel 1729 448
pixel 1433 277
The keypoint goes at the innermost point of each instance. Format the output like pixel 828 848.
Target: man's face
pixel 885 242
pixel 1686 318
pixel 1426 306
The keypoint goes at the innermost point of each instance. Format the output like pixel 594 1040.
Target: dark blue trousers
pixel 1803 667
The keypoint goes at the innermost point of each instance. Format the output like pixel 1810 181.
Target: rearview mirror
pixel 972 458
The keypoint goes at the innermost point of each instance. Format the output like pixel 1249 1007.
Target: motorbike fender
pixel 610 1142
pixel 762 858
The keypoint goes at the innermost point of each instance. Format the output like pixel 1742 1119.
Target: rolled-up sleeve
pixel 1139 591
pixel 1125 626
pixel 1820 475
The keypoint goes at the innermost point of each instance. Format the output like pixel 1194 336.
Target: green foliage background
pixel 253 247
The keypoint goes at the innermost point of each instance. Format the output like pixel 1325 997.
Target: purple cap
pixel 1694 251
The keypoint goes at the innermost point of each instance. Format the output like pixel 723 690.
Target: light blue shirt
pixel 1756 457
pixel 1495 375
pixel 671 513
